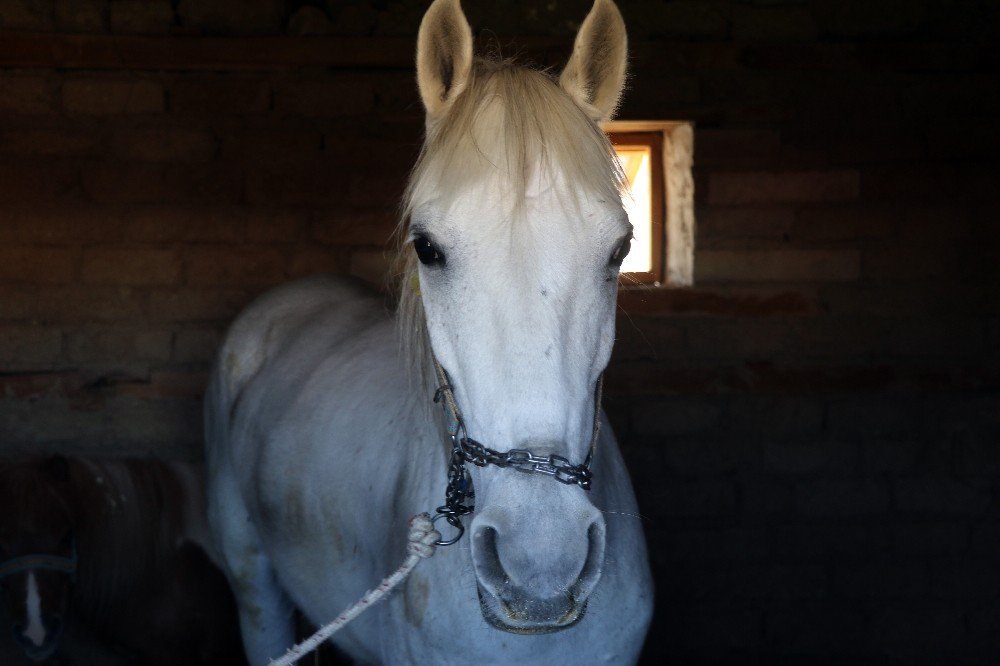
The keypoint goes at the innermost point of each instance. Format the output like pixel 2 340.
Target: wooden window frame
pixel 657 205
pixel 675 214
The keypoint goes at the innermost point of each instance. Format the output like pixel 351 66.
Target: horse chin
pixel 530 616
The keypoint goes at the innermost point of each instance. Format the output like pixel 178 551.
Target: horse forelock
pixel 510 128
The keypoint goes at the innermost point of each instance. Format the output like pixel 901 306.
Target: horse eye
pixel 426 252
pixel 618 256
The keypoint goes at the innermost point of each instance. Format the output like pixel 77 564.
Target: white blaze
pixel 36 630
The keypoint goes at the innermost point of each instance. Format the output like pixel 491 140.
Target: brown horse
pixel 119 548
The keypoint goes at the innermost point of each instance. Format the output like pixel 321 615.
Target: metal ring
pixel 459 527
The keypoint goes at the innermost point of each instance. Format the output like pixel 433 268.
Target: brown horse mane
pixel 127 518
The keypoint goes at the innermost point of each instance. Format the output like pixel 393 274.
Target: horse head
pixel 37 553
pixel 517 233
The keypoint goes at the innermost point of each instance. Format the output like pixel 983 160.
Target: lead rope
pixel 420 545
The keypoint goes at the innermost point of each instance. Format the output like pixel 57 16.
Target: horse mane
pixel 127 518
pixel 510 125
pixel 129 526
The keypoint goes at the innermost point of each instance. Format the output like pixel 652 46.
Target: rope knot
pixel 422 537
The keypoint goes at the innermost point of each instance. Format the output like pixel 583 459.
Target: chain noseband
pixel 459 494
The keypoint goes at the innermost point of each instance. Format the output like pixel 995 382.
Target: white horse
pixel 322 438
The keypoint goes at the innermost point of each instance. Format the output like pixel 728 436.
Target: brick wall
pixel 813 428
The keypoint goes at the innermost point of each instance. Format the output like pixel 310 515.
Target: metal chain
pixel 459 494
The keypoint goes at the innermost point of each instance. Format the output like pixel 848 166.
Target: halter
pixel 465 449
pixel 39 562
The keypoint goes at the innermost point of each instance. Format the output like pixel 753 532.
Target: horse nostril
pixel 486 559
pixel 594 563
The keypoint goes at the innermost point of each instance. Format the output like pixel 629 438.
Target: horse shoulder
pixel 264 327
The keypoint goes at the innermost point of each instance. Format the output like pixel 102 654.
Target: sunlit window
pixel 657 157
pixel 635 162
pixel 641 155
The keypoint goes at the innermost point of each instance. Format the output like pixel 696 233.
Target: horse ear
pixel 444 56
pixel 595 73
pixel 57 467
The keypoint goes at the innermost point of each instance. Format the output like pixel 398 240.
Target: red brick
pixel 687 18
pixel 673 417
pixel 59 224
pixel 139 423
pixel 34 386
pixel 844 223
pixel 898 299
pixel 131 266
pixel 737 338
pixel 39 265
pixel 156 183
pixel 273 147
pixel 30 348
pixel 119 346
pixel 734 302
pixel 780 417
pixel 396 98
pixel 731 148
pixel 25 15
pixel 378 189
pixel 37 183
pixel 882 264
pixel 793 187
pixel 49 142
pixel 309 21
pixel 314 184
pixel 876 147
pixel 839 336
pixel 910 182
pixel 221 265
pixel 159 224
pixel 969 139
pixel 167 385
pixel 163 145
pixel 203 303
pixel 763 223
pixel 828 497
pixel 79 15
pixel 141 16
pixel 354 227
pixel 933 223
pixel 196 345
pixel 26 94
pixel 943 495
pixel 218 95
pixel 806 455
pixel 778 23
pixel 648 338
pixel 310 261
pixel 232 17
pixel 71 303
pixel 777 265
pixel 263 226
pixel 344 95
pixel 109 96
pixel 949 338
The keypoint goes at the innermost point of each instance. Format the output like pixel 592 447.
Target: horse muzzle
pixel 526 590
pixel 49 642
